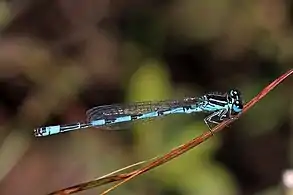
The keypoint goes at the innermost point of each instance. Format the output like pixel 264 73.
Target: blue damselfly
pixel 221 106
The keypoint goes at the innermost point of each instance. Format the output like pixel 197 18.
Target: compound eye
pixel 233 93
pixel 237 107
pixel 237 102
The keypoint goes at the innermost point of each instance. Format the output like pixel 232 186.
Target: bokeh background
pixel 59 58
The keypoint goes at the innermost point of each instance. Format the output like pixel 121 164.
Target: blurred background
pixel 59 58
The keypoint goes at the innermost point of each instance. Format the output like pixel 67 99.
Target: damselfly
pixel 221 106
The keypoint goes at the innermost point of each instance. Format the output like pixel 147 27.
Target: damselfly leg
pixel 216 118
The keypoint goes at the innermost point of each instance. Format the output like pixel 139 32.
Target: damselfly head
pixel 235 99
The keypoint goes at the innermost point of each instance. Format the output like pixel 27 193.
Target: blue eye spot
pixel 236 109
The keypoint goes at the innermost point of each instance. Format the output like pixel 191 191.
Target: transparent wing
pixel 119 110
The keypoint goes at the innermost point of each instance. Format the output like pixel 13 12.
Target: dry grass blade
pixel 172 154
pixel 105 179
